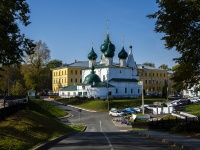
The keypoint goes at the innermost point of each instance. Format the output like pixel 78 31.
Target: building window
pixel 138 91
pixel 80 72
pixel 71 80
pixel 160 74
pixel 80 80
pixel 68 93
pixel 76 80
pixel 116 90
pixel 75 71
pixel 125 90
pixel 119 71
pixel 146 82
pixel 131 90
pixel 71 71
pixel 164 74
pixel 157 74
pixel 149 81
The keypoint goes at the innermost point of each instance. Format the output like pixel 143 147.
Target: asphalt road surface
pixel 102 134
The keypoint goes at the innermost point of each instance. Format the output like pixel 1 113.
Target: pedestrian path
pixel 182 142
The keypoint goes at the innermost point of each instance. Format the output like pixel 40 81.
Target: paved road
pixel 101 133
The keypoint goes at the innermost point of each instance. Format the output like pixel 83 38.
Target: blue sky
pixel 68 27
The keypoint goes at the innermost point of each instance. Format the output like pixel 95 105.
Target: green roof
pixel 122 80
pixel 123 54
pixel 102 84
pixel 92 55
pixel 69 88
pixel 92 77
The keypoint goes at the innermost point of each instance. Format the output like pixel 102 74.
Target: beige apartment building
pixel 154 79
pixel 66 75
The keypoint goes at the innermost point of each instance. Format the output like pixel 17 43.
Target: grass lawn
pixel 31 127
pixel 194 109
pixel 102 105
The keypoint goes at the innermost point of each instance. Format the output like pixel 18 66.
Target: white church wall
pixel 130 91
pixel 99 92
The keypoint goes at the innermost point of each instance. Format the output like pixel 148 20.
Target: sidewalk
pixel 182 142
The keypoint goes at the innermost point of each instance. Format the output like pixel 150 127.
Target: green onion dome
pixel 109 52
pixel 123 54
pixel 92 55
pixel 104 46
pixel 92 77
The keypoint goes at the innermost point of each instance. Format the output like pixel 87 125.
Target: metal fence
pixel 182 125
pixel 12 104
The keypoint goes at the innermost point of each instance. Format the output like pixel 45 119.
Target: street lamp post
pixel 108 97
pixel 142 99
pixel 141 83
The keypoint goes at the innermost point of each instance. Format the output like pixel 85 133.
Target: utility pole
pixel 141 83
pixel 108 91
pixel 142 99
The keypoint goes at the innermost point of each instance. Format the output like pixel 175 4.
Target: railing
pixel 187 124
pixel 182 125
pixel 12 104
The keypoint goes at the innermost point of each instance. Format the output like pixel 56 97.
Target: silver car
pixel 116 113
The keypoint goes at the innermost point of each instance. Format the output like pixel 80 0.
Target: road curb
pixel 166 141
pixel 49 144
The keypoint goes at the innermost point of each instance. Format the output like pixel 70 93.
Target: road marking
pixel 109 143
pixel 123 130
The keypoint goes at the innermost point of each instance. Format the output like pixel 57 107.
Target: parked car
pixel 137 109
pixel 116 113
pixel 113 109
pixel 129 111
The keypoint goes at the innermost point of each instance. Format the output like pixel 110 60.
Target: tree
pixel 13 44
pixel 34 68
pixel 179 20
pixel 11 75
pixel 163 66
pixel 149 64
pixel 54 63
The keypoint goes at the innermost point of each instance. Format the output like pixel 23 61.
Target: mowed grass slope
pixel 31 127
pixel 102 105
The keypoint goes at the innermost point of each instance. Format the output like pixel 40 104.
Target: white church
pixel 105 78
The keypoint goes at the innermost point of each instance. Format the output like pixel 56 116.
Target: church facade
pixel 105 78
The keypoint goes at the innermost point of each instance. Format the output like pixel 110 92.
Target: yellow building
pixel 67 75
pixel 154 79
